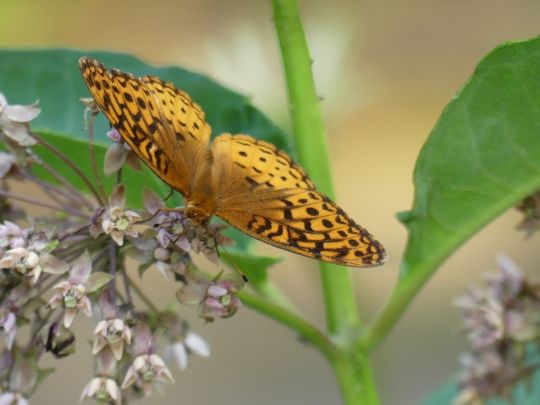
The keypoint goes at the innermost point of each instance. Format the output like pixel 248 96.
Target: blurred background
pixel 384 70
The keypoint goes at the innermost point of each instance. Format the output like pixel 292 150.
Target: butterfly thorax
pixel 201 203
pixel 198 214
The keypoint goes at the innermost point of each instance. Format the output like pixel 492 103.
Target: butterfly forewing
pixel 163 126
pixel 252 185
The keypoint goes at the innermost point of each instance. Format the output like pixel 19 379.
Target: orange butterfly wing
pixel 256 187
pixel 160 123
pixel 266 195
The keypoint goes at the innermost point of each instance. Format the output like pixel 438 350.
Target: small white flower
pixel 13 398
pixel 192 343
pixel 72 297
pixel 71 294
pixel 103 390
pixel 8 327
pixel 23 261
pixel 113 333
pixel 145 370
pixel 117 221
pixel 7 161
pixel 14 121
pixel 11 235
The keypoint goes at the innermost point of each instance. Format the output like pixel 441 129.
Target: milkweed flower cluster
pixel 68 267
pixel 502 323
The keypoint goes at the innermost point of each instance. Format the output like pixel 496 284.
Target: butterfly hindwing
pixel 266 195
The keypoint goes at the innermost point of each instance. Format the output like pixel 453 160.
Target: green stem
pixel 351 366
pixel 354 377
pixel 310 136
pixel 306 331
pixel 272 293
pixel 402 295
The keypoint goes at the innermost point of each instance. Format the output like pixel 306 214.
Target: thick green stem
pixel 310 136
pixel 401 297
pixel 306 331
pixel 352 367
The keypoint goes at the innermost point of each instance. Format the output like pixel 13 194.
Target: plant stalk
pixel 343 321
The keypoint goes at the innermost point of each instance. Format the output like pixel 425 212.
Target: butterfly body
pixel 248 183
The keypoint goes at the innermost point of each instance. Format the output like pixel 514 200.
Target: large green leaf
pixel 53 77
pixel 482 157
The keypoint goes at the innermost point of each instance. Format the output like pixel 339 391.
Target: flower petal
pixel 197 344
pixel 17 132
pixel 115 157
pixel 179 352
pixel 80 269
pixel 22 113
pixel 69 316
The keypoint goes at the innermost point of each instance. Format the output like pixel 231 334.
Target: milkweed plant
pixel 63 251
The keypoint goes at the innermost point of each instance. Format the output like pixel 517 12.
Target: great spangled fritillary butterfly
pixel 248 183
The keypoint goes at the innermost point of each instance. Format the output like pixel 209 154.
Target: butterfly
pixel 248 183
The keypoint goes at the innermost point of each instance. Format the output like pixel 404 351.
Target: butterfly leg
pixel 234 264
pixel 180 210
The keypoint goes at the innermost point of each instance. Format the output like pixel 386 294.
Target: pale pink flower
pixel 116 221
pixel 145 370
pixel 483 317
pixel 12 236
pixel 216 298
pixel 113 333
pixel 14 121
pixel 117 154
pixel 221 300
pixel 22 261
pixel 502 320
pixel 191 343
pixel 73 298
pixel 207 238
pixel 8 327
pixel 103 390
pixel 105 363
pixel 23 379
pixel 30 262
pixel 71 294
pixel 171 226
pixel 7 162
pixel 13 398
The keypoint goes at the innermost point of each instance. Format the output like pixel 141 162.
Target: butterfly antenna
pixel 234 264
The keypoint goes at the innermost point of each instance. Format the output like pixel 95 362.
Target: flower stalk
pixel 342 316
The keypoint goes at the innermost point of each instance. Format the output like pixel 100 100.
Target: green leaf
pixel 42 374
pixel 482 157
pixel 254 267
pixel 97 280
pixel 53 77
